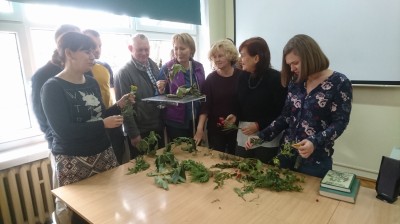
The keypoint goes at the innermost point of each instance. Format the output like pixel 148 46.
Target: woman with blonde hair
pixel 179 119
pixel 220 89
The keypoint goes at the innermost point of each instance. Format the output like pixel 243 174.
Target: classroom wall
pixel 221 16
pixel 373 131
pixel 374 127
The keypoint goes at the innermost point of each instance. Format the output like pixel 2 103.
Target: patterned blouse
pixel 320 116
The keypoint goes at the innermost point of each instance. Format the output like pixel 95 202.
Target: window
pixel 146 24
pixel 15 121
pixel 5 6
pixel 40 14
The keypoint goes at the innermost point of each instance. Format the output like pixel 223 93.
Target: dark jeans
pixel 317 167
pixel 117 138
pixel 223 141
pixel 175 132
pixel 264 154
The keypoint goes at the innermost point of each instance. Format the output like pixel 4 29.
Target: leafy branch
pixel 286 151
pixel 189 147
pixel 174 70
pixel 127 111
pixel 140 165
pixel 147 146
pixel 253 174
pixel 169 170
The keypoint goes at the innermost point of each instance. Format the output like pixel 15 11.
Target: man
pixel 103 74
pixel 140 71
pixel 52 68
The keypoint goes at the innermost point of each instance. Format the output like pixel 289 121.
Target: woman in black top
pixel 77 117
pixel 220 89
pixel 260 99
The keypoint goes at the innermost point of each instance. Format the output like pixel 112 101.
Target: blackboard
pixel 361 38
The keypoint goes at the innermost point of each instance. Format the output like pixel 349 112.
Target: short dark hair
pixel 258 46
pixel 312 58
pixel 74 41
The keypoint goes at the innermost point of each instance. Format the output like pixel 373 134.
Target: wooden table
pixel 114 197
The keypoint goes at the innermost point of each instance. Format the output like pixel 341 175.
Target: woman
pixel 219 101
pixel 317 109
pixel 179 119
pixel 260 99
pixel 77 117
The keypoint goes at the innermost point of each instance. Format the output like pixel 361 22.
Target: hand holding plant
pixel 225 125
pixel 126 104
pixel 253 141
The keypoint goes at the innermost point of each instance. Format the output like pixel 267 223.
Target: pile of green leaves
pixel 140 165
pixel 251 172
pixel 183 91
pixel 170 171
pixel 187 144
pixel 254 174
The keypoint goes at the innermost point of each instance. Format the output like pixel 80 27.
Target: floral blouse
pixel 320 116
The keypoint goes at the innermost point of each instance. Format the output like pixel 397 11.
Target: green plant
pixel 140 165
pixel 255 175
pixel 127 111
pixel 149 145
pixel 190 144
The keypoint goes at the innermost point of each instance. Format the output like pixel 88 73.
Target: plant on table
pixel 147 146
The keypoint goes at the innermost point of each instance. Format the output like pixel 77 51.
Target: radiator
pixel 26 193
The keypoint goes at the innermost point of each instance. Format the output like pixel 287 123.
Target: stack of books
pixel 340 185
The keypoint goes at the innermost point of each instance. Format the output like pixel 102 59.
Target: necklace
pixel 256 85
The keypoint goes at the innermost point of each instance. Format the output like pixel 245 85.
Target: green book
pixel 338 180
pixel 340 195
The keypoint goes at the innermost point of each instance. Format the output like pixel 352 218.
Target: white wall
pixel 374 127
pixel 373 131
pixel 360 37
